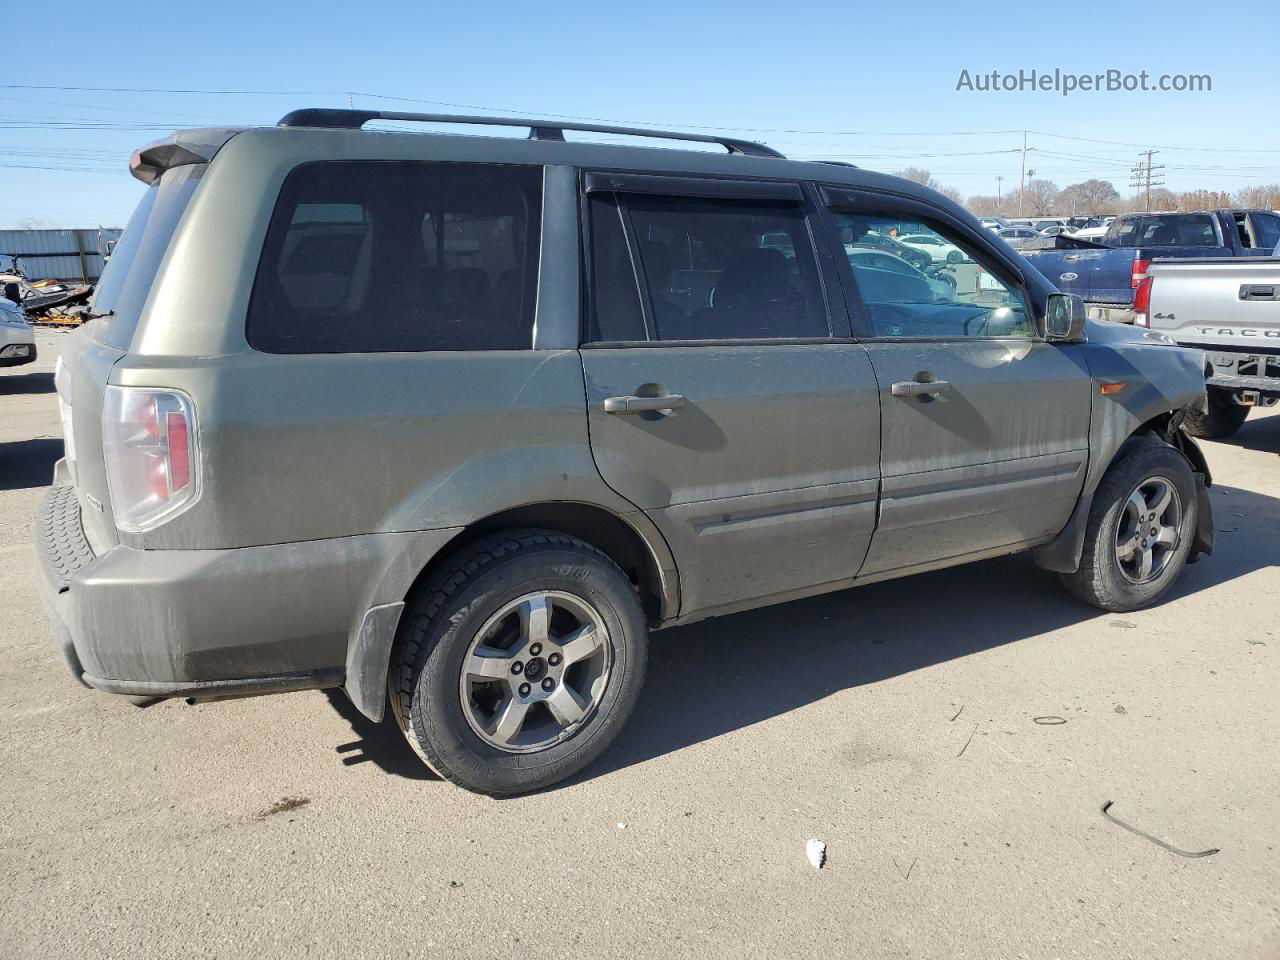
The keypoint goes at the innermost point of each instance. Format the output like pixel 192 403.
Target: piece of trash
pixel 958 712
pixel 1049 721
pixel 907 875
pixel 1190 855
pixel 1256 643
pixel 454 884
pixel 1123 624
pixel 622 826
pixel 816 851
pixel 1120 708
pixel 284 805
pixel 972 733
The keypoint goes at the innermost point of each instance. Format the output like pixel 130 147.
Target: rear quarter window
pixel 390 256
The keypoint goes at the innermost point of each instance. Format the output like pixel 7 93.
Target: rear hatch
pixel 85 365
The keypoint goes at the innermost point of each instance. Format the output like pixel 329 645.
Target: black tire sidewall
pixel 1146 462
pixel 436 719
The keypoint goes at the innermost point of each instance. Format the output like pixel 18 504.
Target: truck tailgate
pixel 1213 302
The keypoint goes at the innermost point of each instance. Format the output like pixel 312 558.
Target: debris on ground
pixel 1122 624
pixel 816 851
pixel 1189 854
pixel 907 874
pixel 284 805
pixel 1049 721
pixel 1120 708
pixel 958 712
pixel 972 734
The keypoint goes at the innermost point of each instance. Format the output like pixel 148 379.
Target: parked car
pixel 938 248
pixel 918 258
pixel 451 422
pixel 17 338
pixel 1055 229
pixel 893 276
pixel 1017 236
pixel 1107 272
pixel 1230 309
pixel 993 223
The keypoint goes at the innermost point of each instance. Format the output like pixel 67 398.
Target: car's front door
pixel 985 426
pixel 726 398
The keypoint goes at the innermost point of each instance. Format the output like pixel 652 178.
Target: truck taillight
pixel 151 453
pixel 1139 271
pixel 1142 302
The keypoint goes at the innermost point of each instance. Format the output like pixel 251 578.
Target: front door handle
pixel 672 401
pixel 918 388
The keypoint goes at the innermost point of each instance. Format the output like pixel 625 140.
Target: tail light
pixel 1142 302
pixel 1138 272
pixel 151 453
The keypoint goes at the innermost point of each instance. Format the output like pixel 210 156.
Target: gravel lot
pixel 895 722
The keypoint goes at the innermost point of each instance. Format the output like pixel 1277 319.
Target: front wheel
pixel 1141 528
pixel 519 664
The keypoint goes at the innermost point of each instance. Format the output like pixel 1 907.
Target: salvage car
pixel 17 337
pixel 452 422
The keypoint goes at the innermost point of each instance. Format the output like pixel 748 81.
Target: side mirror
pixel 12 293
pixel 1064 317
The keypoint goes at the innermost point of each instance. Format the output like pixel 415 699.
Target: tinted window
pixel 615 302
pixel 951 296
pixel 1169 230
pixel 727 270
pixel 130 272
pixel 378 256
pixel 1267 228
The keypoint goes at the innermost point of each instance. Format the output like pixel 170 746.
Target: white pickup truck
pixel 1230 309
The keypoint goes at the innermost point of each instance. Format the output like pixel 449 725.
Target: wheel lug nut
pixel 524 689
pixel 554 659
pixel 548 684
pixel 517 667
pixel 535 649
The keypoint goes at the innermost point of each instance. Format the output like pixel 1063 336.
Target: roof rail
pixel 538 129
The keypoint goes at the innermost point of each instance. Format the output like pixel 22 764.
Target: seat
pixel 753 298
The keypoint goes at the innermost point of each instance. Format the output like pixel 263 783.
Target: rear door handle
pixel 917 388
pixel 672 401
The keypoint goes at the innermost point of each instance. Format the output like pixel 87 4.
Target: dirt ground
pixel 903 723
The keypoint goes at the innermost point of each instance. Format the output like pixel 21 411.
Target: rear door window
pixel 389 256
pixel 718 269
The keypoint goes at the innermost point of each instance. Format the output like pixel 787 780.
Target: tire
pixel 519 718
pixel 1220 416
pixel 1104 579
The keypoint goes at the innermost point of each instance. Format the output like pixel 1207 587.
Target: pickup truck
pixel 1106 272
pixel 1230 309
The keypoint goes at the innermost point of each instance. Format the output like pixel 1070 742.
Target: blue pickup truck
pixel 1106 272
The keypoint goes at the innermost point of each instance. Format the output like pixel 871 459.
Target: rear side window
pixel 721 269
pixel 1169 230
pixel 131 270
pixel 387 256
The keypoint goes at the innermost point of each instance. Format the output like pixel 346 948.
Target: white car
pixel 17 337
pixel 883 267
pixel 937 248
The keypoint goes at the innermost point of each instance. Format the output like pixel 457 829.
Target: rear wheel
pixel 1220 416
pixel 1141 527
pixel 520 663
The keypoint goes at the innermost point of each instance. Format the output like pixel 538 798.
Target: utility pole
pixel 1144 173
pixel 1022 176
pixel 998 197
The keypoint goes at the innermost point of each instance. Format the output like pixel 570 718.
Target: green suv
pixel 452 422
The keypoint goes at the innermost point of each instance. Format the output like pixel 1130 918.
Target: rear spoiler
pixel 178 150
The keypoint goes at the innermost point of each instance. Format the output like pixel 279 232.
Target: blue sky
pixel 870 82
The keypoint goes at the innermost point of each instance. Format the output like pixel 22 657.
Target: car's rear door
pixel 726 398
pixel 985 426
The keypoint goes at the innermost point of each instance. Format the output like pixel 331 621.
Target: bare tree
pixel 984 206
pixel 916 175
pixel 1089 198
pixel 1038 197
pixel 1263 197
pixel 1203 200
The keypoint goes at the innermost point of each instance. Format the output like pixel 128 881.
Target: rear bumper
pixel 1243 371
pixel 213 623
pixel 16 354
